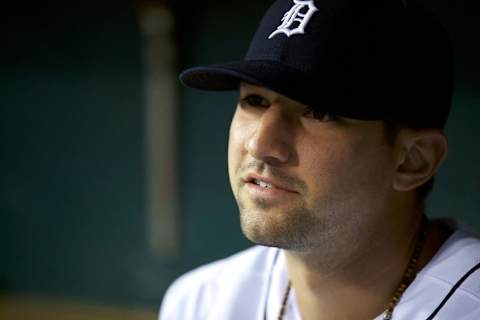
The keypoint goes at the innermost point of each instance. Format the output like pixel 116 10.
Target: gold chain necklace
pixel 407 278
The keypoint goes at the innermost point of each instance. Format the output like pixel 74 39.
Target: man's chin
pixel 287 227
pixel 277 236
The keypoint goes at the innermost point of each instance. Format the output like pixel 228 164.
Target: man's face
pixel 303 179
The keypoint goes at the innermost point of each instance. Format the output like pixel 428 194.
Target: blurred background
pixel 114 178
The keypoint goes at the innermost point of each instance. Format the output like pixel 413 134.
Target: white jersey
pixel 250 286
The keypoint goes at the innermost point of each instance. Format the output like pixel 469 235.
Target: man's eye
pixel 254 100
pixel 320 115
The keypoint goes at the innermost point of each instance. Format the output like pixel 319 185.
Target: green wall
pixel 72 192
pixel 72 154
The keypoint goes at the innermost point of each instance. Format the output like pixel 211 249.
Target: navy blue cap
pixel 372 59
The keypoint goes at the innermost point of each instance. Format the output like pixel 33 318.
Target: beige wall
pixel 42 308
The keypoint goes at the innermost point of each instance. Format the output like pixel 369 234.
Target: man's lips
pixel 267 183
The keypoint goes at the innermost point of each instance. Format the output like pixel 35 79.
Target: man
pixel 333 147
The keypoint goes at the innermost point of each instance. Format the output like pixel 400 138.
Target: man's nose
pixel 271 139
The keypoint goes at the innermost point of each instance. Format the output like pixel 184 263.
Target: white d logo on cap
pixel 295 15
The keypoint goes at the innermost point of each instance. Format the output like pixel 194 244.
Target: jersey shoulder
pixel 449 284
pixel 192 294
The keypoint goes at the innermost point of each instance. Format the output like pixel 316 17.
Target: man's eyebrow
pixel 253 90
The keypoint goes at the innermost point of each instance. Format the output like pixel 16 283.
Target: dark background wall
pixel 72 197
pixel 72 187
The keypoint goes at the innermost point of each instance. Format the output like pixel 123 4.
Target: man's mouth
pixel 261 183
pixel 266 183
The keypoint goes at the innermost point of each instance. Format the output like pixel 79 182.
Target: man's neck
pixel 362 286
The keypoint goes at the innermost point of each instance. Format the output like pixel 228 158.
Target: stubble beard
pixel 291 227
pixel 316 235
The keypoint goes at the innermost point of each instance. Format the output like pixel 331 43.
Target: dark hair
pixel 392 128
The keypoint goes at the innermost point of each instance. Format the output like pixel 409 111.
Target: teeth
pixel 263 184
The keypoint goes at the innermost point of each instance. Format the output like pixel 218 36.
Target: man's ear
pixel 421 154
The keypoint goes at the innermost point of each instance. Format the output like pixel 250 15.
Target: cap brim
pixel 280 78
pixel 228 76
pixel 272 75
pixel 328 92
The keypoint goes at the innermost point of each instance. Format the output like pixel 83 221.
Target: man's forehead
pixel 246 87
pixel 249 86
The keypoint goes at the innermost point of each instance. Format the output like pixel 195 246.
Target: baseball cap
pixel 371 60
